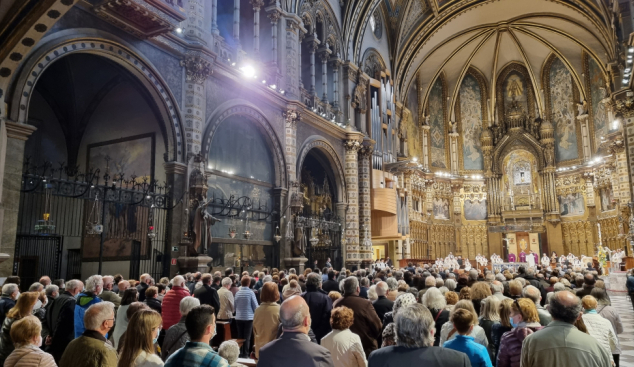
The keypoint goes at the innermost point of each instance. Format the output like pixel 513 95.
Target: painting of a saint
pixel 572 204
pixel 514 87
pixel 437 123
pixel 562 104
pixel 475 210
pixel 514 91
pixel 606 199
pixel 471 118
pixel 441 209
pixel 598 93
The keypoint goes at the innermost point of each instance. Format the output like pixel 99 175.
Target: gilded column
pixel 197 69
pixel 365 206
pixel 352 146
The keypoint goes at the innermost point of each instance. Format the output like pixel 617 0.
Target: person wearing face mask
pixel 201 327
pixel 26 337
pixel 142 335
pixel 87 298
pixel 525 321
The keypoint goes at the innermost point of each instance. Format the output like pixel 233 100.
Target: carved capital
pixel 359 99
pixel 366 150
pixel 291 117
pixel 275 15
pixel 624 107
pixel 257 4
pixel 352 145
pixel 197 68
pixel 616 147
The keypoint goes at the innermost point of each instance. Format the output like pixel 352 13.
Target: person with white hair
pixel 227 307
pixel 415 331
pixel 170 310
pixel 59 319
pixel 230 350
pixel 372 296
pixel 382 304
pixel 10 293
pixel 91 348
pixel 436 303
pixel 94 287
pixel 176 336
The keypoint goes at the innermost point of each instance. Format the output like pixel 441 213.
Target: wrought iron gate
pixel 36 256
pixel 106 215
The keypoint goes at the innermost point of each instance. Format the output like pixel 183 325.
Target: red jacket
pixel 171 306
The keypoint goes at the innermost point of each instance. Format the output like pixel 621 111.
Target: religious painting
pixel 515 90
pixel 438 125
pixel 607 199
pixel 471 119
pixel 522 173
pixel 441 209
pixel 598 93
pixel 562 111
pixel 132 156
pixel 571 204
pixel 519 173
pixel 475 209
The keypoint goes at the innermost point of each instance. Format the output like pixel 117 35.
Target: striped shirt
pixel 196 355
pixel 245 304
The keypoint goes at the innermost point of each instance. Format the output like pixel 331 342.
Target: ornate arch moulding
pixel 513 142
pixel 320 143
pixel 250 111
pixel 99 43
pixel 320 11
pixel 373 63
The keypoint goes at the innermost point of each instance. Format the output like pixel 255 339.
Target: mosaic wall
pixel 471 119
pixel 515 89
pixel 437 123
pixel 562 111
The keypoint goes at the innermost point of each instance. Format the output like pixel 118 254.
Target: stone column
pixel 325 55
pixel 275 16
pixel 257 5
pixel 291 63
pixel 425 130
pixel 13 138
pixel 585 137
pixel 214 17
pixel 340 209
pixel 291 118
pixel 195 21
pixel 336 64
pixel 176 177
pixel 352 146
pixel 301 37
pixel 313 43
pixel 365 206
pixel 197 70
pixel 236 23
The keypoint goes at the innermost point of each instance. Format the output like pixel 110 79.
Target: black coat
pixel 6 345
pixel 6 303
pixel 441 319
pixel 154 304
pixel 320 306
pixel 382 306
pixel 60 319
pixel 394 356
pixel 208 296
pixel 294 349
pixel 141 288
pixel 330 285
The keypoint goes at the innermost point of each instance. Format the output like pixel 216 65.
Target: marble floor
pixel 624 307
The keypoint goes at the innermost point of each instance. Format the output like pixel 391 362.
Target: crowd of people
pixel 382 316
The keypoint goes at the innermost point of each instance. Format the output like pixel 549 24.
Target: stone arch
pixel 250 111
pixel 101 44
pixel 513 142
pixel 322 145
pixel 373 62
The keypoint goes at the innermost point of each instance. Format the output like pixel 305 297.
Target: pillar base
pixel 296 262
pixel 190 264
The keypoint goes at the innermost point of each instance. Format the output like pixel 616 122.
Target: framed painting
pixel 441 209
pixel 132 156
pixel 571 204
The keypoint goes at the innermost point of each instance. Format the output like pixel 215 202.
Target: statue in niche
pixel 426 120
pixel 514 87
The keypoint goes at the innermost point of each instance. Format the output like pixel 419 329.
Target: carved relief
pixel 197 68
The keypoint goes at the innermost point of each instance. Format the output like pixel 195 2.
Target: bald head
pixel 381 289
pixel 294 315
pixel 565 306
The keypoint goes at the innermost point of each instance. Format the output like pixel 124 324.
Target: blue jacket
pixel 84 300
pixel 478 354
pixel 630 283
pixel 245 303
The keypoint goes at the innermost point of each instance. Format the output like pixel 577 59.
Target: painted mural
pixel 471 119
pixel 414 144
pixel 441 209
pixel 515 89
pixel 571 204
pixel 562 111
pixel 437 123
pixel 475 210
pixel 597 93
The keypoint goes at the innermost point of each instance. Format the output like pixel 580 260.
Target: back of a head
pixel 187 304
pixel 381 289
pixel 293 312
pixel 129 296
pixel 23 331
pixel 350 286
pixel 206 279
pixel 52 290
pixel 197 321
pixel 229 350
pixel 600 295
pixel 270 292
pixel 134 308
pixel 527 309
pixel 9 288
pixel 313 280
pixel 589 303
pixel 93 282
pixel 97 313
pixel 559 287
pixel 532 293
pixel 139 335
pixel 433 299
pixel 178 281
pixel 341 318
pixel 36 287
pixel 462 320
pixel 515 287
pixel 565 306
pixel 589 279
pixel 414 326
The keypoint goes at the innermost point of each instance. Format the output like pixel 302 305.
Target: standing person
pixel 266 319
pixel 151 299
pixel 498 329
pixel 599 327
pixel 10 293
pixel 436 303
pixel 208 295
pixel 549 348
pixel 344 345
pixel 60 319
pixel 448 330
pixel 629 284
pixel 201 327
pixel 463 321
pixel 414 327
pixel 609 313
pixel 143 285
pixel 176 336
pixel 109 294
pixel 172 300
pixel 525 321
pixel 294 347
pixel 382 305
pixel 225 297
pixel 489 316
pixel 121 322
pixel 141 336
pixel 92 349
pixel 22 309
pixel 366 322
pixel 246 303
pixel 94 287
pixel 319 305
pixel 331 284
pixel 534 295
pixel 328 264
pixel 25 334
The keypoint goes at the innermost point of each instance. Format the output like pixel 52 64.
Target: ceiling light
pixel 631 49
pixel 273 86
pixel 264 82
pixel 179 30
pixel 248 71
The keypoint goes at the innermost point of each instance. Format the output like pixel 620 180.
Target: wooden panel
pixel 384 200
pixel 384 224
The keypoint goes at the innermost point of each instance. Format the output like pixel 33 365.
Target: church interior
pixel 165 136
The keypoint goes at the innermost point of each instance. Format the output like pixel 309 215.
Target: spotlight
pixel 631 49
pixel 247 70
pixel 615 124
pixel 282 92
pixel 179 30
pixel 273 86
pixel 415 159
pixel 264 82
